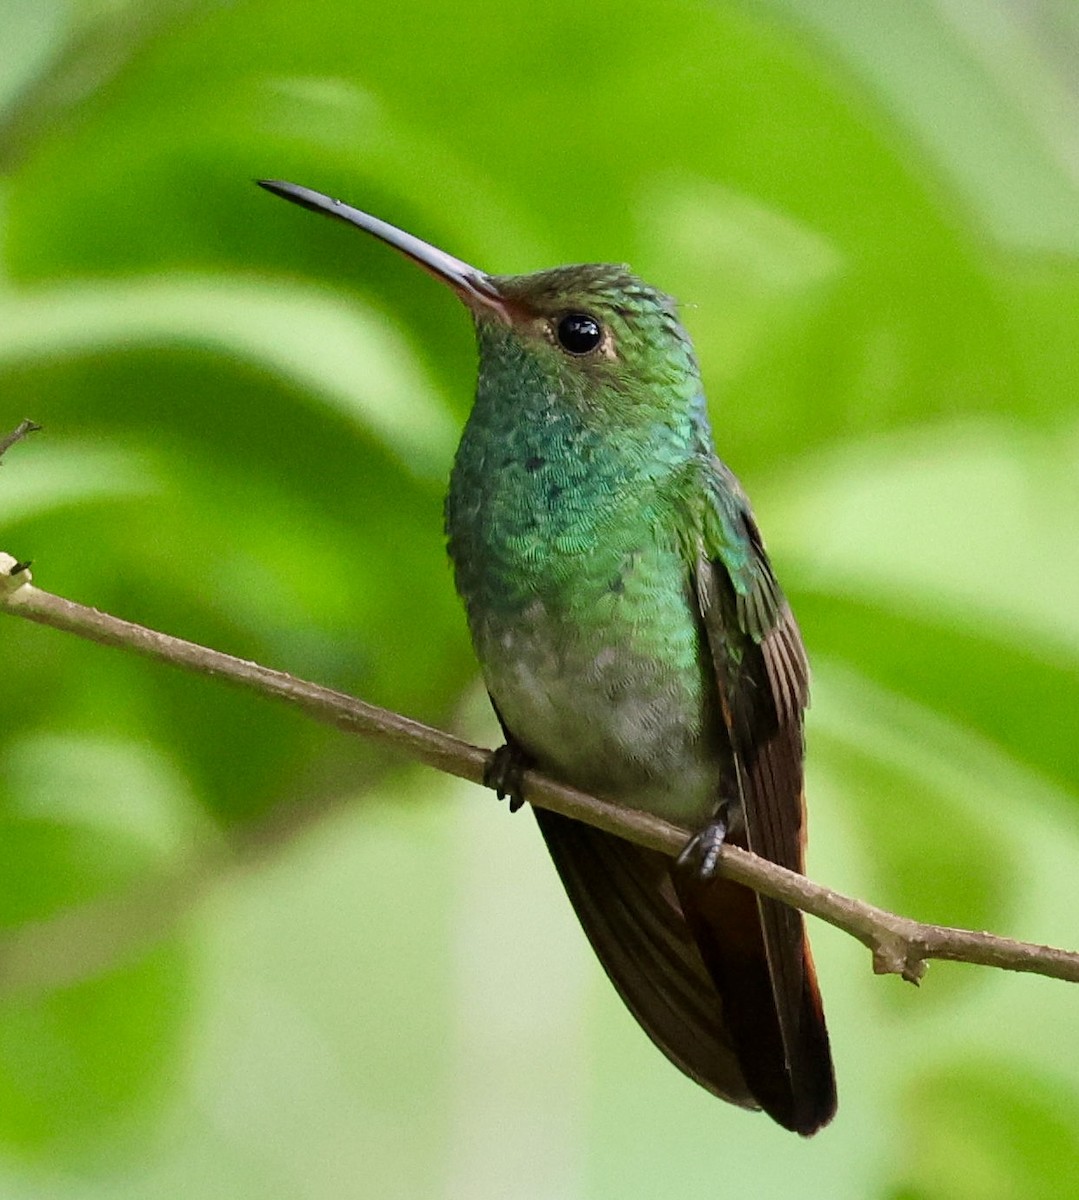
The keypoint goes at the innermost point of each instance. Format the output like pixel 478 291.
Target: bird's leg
pixel 504 772
pixel 506 766
pixel 701 852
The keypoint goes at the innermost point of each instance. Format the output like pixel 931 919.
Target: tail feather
pixel 692 962
pixel 771 1002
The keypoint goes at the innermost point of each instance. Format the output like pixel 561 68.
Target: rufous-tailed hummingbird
pixel 636 645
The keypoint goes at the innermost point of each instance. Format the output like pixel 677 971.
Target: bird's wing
pixel 755 947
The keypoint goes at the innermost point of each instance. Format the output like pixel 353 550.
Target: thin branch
pixel 17 434
pixel 899 945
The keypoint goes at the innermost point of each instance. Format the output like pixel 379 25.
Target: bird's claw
pixel 504 771
pixel 700 854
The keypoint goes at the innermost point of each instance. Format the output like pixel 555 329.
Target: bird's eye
pixel 579 332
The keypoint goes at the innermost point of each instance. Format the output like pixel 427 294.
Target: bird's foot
pixel 504 771
pixel 701 853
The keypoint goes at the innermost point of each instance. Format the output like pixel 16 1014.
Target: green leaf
pixel 92 1011
pixel 342 353
pixel 990 1130
pixel 916 787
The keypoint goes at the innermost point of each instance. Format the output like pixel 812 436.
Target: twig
pixel 899 945
pixel 17 434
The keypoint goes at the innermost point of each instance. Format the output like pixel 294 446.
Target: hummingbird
pixel 636 645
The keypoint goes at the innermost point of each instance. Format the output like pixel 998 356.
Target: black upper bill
pixel 474 287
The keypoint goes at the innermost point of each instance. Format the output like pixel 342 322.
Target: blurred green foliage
pixel 872 215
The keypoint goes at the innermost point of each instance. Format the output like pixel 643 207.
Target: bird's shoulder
pixel 742 605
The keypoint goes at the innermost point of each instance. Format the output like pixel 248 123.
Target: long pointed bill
pixel 474 287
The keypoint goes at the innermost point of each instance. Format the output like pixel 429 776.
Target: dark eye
pixel 579 332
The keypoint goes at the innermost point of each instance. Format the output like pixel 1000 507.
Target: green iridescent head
pixel 596 330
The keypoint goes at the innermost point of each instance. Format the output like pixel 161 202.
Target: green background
pixel 332 975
